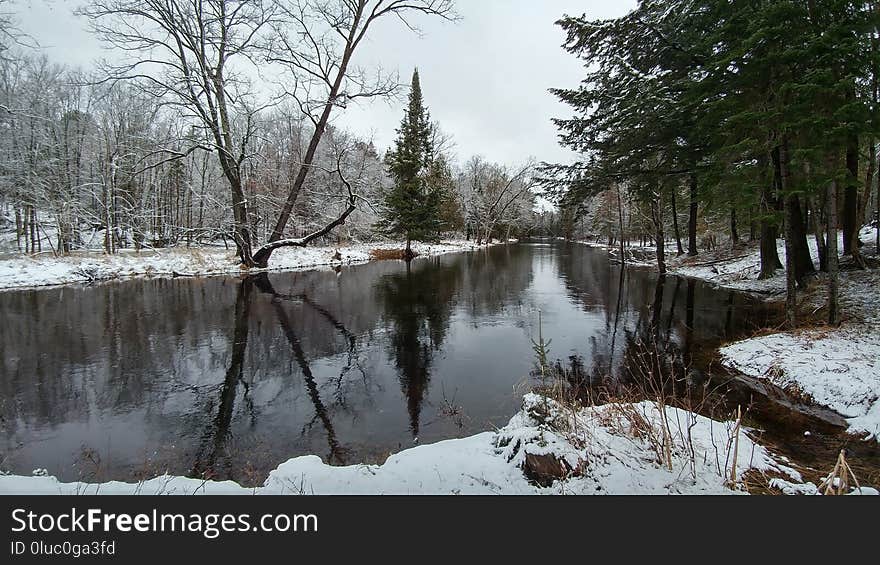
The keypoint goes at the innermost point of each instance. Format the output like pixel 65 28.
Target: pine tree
pixel 413 205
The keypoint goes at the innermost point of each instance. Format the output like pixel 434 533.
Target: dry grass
pixel 389 254
pixel 838 480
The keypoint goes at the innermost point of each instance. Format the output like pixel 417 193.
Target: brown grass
pixel 388 254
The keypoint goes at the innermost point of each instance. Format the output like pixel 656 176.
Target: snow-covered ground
pixel 19 271
pixel 741 271
pixel 738 271
pixel 836 367
pixel 613 449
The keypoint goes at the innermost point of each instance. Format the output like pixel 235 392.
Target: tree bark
pixel 770 262
pixel 675 224
pixel 820 228
pixel 622 230
pixel 833 268
pixel 803 261
pixel 19 230
pixel 659 236
pixel 850 220
pixel 692 222
pixel 790 205
pixel 734 233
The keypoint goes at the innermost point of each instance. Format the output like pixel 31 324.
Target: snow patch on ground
pixel 741 271
pixel 44 270
pixel 612 449
pixel 837 368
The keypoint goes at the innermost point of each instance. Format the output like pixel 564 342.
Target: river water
pixel 226 378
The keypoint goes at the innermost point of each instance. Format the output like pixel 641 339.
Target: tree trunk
pixel 803 261
pixel 33 226
pixel 790 205
pixel 850 220
pixel 242 234
pixel 770 262
pixel 408 254
pixel 692 221
pixel 19 230
pixel 754 227
pixel 833 268
pixel 734 233
pixel 820 228
pixel 263 255
pixel 675 224
pixel 622 231
pixel 659 236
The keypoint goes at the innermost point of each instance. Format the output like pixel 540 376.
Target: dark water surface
pixel 226 379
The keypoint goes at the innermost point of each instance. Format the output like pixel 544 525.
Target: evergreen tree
pixel 760 106
pixel 413 205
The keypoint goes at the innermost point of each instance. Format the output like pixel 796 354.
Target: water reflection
pixel 226 378
pixel 418 307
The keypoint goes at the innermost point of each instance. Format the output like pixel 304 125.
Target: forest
pixel 186 141
pixel 715 124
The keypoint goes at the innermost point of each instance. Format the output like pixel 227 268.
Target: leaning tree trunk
pixel 261 258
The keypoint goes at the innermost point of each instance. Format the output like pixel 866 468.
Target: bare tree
pixel 316 44
pixel 195 55
pixel 492 195
pixel 10 33
pixel 191 54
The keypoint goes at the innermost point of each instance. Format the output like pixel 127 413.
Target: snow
pixel 811 489
pixel 45 270
pixel 612 452
pixel 741 272
pixel 837 368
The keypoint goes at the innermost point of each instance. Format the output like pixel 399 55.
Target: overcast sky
pixel 485 78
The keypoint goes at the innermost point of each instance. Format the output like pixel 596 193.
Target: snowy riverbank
pixel 613 449
pixel 835 367
pixel 839 367
pixel 20 271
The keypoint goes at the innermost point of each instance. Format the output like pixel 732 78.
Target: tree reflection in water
pixel 214 441
pixel 227 378
pixel 418 306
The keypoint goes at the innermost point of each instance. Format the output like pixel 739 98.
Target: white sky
pixel 485 78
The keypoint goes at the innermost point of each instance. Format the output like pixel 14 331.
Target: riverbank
pixel 20 271
pixel 839 367
pixel 618 448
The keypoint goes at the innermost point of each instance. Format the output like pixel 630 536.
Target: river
pixel 225 378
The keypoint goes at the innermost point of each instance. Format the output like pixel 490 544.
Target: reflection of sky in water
pixel 141 377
